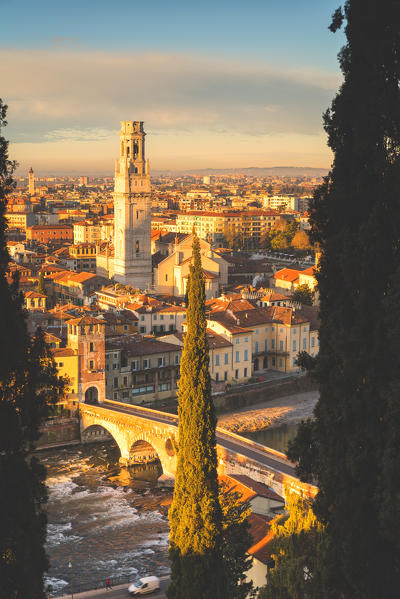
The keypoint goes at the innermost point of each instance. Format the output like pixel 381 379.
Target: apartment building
pixel 213 226
pixel 93 230
pixel 141 369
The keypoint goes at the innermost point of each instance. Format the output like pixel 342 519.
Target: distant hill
pixel 256 171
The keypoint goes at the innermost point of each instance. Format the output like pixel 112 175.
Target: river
pixel 110 522
pixel 277 437
pixel 105 521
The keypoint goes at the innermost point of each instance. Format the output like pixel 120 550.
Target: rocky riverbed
pixel 289 410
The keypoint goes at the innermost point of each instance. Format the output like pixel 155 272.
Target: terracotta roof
pixel 63 352
pixel 262 550
pixel 287 274
pixel 258 488
pixel 309 272
pixel 85 320
pixel 33 294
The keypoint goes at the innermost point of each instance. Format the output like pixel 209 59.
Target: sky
pixel 219 84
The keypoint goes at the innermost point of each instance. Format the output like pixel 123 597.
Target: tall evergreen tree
pixel 197 566
pixel 352 448
pixel 28 384
pixel 41 287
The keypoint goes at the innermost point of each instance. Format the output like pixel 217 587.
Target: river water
pixel 277 437
pixel 106 521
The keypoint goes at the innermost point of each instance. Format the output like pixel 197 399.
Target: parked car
pixel 143 586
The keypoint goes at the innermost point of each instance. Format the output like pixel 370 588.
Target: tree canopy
pixel 196 539
pixel 352 447
pixel 28 386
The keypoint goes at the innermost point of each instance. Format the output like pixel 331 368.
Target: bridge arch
pixel 143 452
pixel 131 432
pixel 96 432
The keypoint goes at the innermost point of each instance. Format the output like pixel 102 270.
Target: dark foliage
pixel 196 540
pixel 28 385
pixel 353 446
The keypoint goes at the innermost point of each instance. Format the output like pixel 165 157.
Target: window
pixel 217 360
pixel 273 329
pixel 142 329
pixel 281 345
pixel 294 331
pixel 226 359
pixel 160 362
pixel 125 381
pixel 225 375
pixel 272 343
pixel 146 363
pixel 115 366
pixel 280 363
pixel 312 341
pixel 125 394
pixel 177 359
pixel 305 329
pixel 115 395
pixel 294 344
pixel 60 364
pixel 164 387
pixel 217 376
pixel 116 382
pixel 294 362
pixel 237 341
pixel 256 347
pixel 237 356
pixel 281 330
pixel 266 345
pixel 91 346
pixel 137 247
pixel 236 374
pixel 273 361
pixel 125 327
pixel 171 317
pixel 246 339
pixel 256 331
pixel 304 343
pixel 246 354
pixel 134 365
pixel 161 316
pixel 166 277
pixel 91 365
pixel 142 317
pixel 245 372
pixel 266 329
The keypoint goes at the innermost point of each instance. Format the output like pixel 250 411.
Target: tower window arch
pixel 137 247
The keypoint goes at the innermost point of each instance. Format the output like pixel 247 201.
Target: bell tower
pixel 132 209
pixel 31 182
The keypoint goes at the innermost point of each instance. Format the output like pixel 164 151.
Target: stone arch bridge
pixel 142 433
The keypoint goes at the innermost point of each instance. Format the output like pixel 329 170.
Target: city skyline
pixel 216 86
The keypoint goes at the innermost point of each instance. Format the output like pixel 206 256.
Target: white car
pixel 143 586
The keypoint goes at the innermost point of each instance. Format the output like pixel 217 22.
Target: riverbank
pixel 290 409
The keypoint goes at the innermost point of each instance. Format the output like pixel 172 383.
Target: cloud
pixel 71 94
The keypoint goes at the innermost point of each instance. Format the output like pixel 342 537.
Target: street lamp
pixel 72 582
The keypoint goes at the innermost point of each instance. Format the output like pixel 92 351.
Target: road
pixel 119 592
pixel 241 446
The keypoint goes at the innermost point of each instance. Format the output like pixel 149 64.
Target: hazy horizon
pixel 217 86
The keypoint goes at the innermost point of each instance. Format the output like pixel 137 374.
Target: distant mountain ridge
pixel 260 171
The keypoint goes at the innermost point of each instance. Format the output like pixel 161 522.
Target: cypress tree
pixel 41 287
pixel 197 567
pixel 28 384
pixel 352 448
